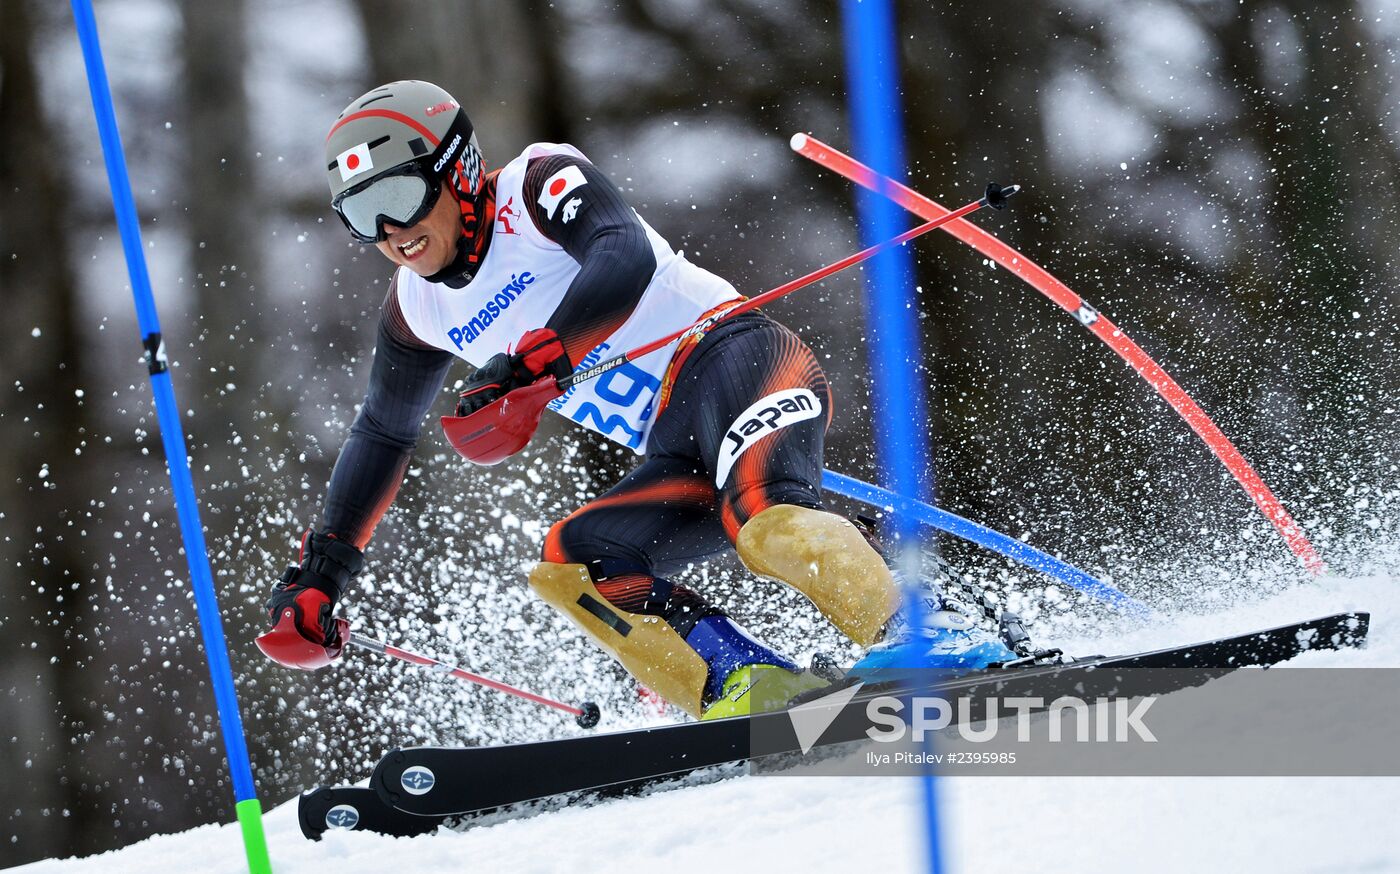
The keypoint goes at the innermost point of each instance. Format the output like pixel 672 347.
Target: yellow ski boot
pixel 758 689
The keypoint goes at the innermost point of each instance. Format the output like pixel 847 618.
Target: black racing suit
pixel 669 511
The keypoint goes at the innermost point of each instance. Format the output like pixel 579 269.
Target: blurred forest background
pixel 1219 177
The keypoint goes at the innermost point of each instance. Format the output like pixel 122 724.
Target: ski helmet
pixel 389 153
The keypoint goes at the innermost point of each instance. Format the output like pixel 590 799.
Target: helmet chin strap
pixel 460 270
pixel 476 233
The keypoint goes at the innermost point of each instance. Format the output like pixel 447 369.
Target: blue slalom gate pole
pixel 900 415
pixel 1028 555
pixel 173 438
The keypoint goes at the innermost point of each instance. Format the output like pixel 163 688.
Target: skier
pixel 540 268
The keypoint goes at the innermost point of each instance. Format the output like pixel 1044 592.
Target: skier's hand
pixel 492 380
pixel 539 353
pixel 314 609
pixel 312 588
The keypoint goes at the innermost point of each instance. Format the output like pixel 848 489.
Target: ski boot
pixel 759 688
pixel 745 676
pixel 945 640
pixel 715 669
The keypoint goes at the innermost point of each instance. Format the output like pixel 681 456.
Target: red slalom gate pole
pixel 1040 279
pixel 586 714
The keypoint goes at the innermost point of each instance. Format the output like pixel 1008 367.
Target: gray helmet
pixel 390 150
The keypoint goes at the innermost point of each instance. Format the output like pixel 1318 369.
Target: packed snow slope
pixel 814 824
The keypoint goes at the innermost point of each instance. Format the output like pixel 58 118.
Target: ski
pixel 355 808
pixel 427 782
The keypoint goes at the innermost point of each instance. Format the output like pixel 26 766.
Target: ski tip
pixel 798 142
pixel 589 715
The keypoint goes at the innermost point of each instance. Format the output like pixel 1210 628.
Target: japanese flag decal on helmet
pixel 767 415
pixel 354 161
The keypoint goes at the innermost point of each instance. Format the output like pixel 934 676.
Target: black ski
pixel 463 782
pixel 357 809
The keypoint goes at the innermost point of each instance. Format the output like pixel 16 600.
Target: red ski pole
pixel 284 644
pixel 504 427
pixel 586 714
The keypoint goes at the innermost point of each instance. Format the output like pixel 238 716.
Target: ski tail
pixel 352 808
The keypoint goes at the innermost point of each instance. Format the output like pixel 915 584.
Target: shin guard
pixel 647 646
pixel 824 557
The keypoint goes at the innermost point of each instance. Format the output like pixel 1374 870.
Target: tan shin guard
pixel 647 646
pixel 824 557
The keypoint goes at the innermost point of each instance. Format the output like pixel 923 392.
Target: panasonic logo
pixel 493 309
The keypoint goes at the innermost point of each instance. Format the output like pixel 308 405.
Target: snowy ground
pixel 815 824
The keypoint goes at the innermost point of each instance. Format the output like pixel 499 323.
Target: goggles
pixel 404 196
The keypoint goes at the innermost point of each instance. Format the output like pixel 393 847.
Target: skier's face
pixel 428 246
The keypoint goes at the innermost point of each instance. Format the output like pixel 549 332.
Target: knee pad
pixel 647 646
pixel 824 557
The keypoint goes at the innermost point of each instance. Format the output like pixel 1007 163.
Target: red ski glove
pixel 313 610
pixel 491 381
pixel 307 594
pixel 539 353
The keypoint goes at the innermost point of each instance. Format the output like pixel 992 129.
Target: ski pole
pixel 586 714
pixel 995 197
pixel 504 427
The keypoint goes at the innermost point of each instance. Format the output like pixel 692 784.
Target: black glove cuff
pixel 329 565
pixel 559 368
pixel 305 579
pixel 492 380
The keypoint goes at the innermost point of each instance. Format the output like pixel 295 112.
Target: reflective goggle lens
pixel 398 199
